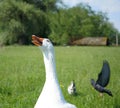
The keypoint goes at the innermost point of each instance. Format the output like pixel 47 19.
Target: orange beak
pixel 36 40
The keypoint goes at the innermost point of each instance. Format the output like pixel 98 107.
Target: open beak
pixel 36 40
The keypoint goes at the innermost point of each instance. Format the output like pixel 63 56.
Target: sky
pixel 111 7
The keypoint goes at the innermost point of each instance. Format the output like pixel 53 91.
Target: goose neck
pixel 50 66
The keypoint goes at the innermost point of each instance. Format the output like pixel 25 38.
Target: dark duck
pixel 103 79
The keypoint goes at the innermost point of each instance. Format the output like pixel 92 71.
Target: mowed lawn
pixel 22 75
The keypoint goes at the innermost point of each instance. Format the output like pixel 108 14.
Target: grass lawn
pixel 22 75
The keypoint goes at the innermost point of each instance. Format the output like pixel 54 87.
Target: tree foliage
pixel 77 22
pixel 19 19
pixel 44 5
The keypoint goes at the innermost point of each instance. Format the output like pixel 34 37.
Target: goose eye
pixel 48 41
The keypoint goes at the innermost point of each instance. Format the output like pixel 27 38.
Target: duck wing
pixel 104 75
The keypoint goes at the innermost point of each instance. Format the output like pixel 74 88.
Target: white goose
pixel 51 95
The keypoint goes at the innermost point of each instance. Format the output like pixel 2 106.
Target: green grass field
pixel 22 75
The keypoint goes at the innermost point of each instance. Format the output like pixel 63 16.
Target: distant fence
pixel 92 41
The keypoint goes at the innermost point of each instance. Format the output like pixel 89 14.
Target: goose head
pixel 44 43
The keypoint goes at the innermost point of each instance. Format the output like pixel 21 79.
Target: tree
pixel 44 5
pixel 77 22
pixel 19 21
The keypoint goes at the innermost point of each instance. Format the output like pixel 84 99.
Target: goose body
pixel 51 95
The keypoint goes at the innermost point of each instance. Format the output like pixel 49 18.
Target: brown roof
pixel 91 41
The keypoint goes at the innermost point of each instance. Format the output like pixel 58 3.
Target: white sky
pixel 112 7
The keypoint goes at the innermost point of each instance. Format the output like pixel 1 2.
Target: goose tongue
pixel 36 40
